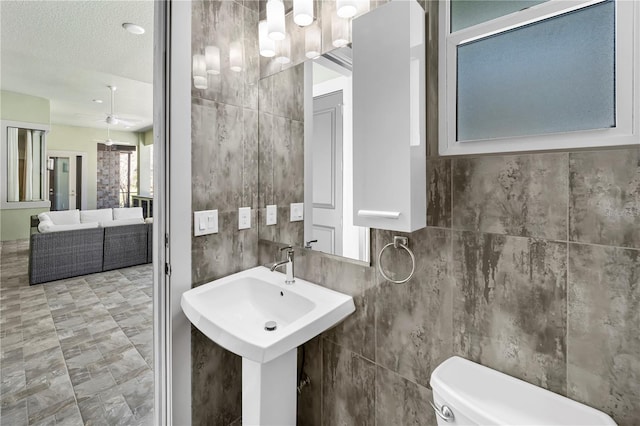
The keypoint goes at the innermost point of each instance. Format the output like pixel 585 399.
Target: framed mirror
pixel 305 158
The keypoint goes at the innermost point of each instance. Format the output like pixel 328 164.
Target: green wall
pixel 20 107
pixel 83 140
pixel 14 223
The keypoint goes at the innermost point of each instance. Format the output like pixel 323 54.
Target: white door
pixel 67 180
pixel 326 164
pixel 62 179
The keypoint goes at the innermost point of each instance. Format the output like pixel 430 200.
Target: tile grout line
pixel 66 366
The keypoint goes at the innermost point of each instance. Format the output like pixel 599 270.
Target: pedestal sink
pixel 254 314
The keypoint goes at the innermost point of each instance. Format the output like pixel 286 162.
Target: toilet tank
pixel 478 395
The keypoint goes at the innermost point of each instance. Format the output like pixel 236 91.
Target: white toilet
pixel 466 393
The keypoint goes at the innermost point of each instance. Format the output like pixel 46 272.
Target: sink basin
pixel 234 310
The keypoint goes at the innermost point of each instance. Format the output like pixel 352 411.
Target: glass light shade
pixel 283 51
pixel 312 42
pixel 235 56
pixel 212 59
pixel 267 46
pixel 363 7
pixel 275 20
pixel 339 31
pixel 347 8
pixel 200 82
pixel 303 12
pixel 199 66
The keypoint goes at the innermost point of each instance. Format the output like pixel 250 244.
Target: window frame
pixel 627 81
pixel 4 169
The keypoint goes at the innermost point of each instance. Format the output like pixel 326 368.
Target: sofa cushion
pixel 127 213
pixel 100 215
pixel 62 217
pixel 48 226
pixel 121 222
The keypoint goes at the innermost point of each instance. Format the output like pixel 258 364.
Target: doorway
pixel 67 180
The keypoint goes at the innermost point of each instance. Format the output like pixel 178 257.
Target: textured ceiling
pixel 69 51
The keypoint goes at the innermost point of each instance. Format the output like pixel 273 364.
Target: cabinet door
pixel 389 112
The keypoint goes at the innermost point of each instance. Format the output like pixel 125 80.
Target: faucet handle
pixel 289 251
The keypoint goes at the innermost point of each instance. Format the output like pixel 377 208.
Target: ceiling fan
pixel 108 141
pixel 112 117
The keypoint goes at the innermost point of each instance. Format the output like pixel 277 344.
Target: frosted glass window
pixel 466 13
pixel 555 75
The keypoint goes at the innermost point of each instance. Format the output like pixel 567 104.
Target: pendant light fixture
pixel 312 42
pixel 303 12
pixel 339 31
pixel 346 8
pixel 267 45
pixel 283 51
pixel 235 56
pixel 212 59
pixel 275 20
pixel 199 72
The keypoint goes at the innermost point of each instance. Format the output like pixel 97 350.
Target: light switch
pixel 297 212
pixel 272 214
pixel 205 222
pixel 244 218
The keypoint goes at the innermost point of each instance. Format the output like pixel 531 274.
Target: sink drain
pixel 270 325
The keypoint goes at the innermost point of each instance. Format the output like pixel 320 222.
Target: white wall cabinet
pixel 389 146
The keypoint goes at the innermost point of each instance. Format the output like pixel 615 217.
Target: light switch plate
pixel 297 212
pixel 272 214
pixel 205 222
pixel 244 218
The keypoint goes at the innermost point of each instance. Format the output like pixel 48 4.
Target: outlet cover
pixel 244 218
pixel 205 222
pixel 272 214
pixel 297 212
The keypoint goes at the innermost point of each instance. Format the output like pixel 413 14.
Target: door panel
pixel 327 172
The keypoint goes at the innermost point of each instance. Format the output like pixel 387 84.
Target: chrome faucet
pixel 289 265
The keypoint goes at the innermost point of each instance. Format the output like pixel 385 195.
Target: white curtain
pixel 13 180
pixel 37 166
pixel 28 168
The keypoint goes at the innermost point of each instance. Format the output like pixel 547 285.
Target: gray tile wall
pixel 224 146
pixel 529 264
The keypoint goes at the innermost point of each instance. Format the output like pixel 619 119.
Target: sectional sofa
pixel 71 243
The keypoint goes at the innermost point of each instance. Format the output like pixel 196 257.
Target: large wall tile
pixel 605 197
pixel 229 251
pixel 309 411
pixel 439 193
pixel 288 93
pixel 413 320
pixel 401 402
pixel 603 340
pixel 357 331
pixel 510 306
pixel 348 387
pixel 216 376
pixel 216 155
pixel 288 161
pixel 523 195
pixel 250 159
pixel 219 23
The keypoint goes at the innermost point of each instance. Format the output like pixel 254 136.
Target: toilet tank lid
pixel 487 396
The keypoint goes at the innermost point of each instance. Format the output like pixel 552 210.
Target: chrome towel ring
pixel 398 242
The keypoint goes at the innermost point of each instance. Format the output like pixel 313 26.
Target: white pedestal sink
pixel 238 312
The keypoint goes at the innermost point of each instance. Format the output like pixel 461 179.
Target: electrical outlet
pixel 244 218
pixel 205 222
pixel 297 212
pixel 272 214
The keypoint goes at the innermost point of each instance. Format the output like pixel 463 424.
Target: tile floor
pixel 75 351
